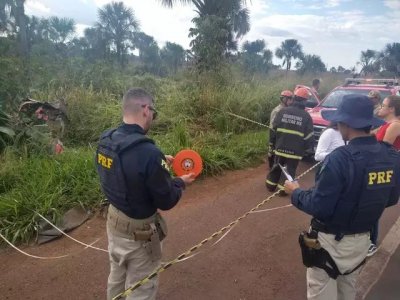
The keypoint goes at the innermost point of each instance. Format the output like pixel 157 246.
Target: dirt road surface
pixel 258 259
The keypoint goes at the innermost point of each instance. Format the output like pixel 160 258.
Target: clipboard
pixel 287 175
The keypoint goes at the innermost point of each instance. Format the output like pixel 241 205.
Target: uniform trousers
pixel 129 260
pixel 275 178
pixel 347 253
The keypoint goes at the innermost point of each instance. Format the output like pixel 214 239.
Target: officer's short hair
pixel 134 98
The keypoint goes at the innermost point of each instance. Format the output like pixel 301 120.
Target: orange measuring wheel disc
pixel 186 162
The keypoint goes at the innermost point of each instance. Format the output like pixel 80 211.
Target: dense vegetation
pixel 45 60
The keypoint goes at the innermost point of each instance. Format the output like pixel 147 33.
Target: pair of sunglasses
pixel 155 113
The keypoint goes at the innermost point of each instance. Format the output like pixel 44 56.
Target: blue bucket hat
pixel 356 111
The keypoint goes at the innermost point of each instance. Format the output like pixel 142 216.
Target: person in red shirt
pixel 389 133
pixel 390 112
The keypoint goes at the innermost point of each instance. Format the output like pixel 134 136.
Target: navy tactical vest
pixel 111 145
pixel 373 172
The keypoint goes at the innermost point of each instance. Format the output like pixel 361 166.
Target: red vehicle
pixel 362 86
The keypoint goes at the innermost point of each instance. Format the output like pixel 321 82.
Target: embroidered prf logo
pixel 380 177
pixel 104 161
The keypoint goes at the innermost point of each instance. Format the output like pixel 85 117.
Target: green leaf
pixel 7 131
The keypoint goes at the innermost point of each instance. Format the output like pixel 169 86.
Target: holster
pixel 314 255
pixel 150 231
pixel 158 227
pixel 157 232
pixel 153 244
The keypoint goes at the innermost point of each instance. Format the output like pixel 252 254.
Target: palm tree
pixel 255 57
pixel 289 49
pixel 119 24
pixel 232 10
pixel 44 29
pixel 61 29
pixel 253 47
pixel 4 15
pixel 368 61
pixel 21 21
pixel 13 18
pixel 96 43
pixel 173 56
pixel 218 26
pixel 310 64
pixel 149 53
pixel 391 58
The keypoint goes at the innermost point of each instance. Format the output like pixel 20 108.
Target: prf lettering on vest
pixel 380 177
pixel 105 161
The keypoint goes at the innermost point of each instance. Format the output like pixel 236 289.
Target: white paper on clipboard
pixel 287 175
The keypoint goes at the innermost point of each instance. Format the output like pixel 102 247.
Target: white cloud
pixel 318 4
pixel 80 28
pixel 393 4
pixel 338 37
pixel 82 11
pixel 164 23
pixel 100 3
pixel 35 7
pixel 332 3
pixel 335 34
pixel 258 7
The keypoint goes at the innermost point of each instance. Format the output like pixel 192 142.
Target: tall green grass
pixel 48 185
pixel 192 115
pixel 52 185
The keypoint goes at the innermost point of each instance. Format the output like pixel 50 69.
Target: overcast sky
pixel 336 30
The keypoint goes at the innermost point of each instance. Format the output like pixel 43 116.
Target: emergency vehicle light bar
pixel 388 82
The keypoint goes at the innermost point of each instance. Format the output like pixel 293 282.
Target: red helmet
pixel 302 93
pixel 287 93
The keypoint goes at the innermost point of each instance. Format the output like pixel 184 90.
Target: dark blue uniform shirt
pixel 335 198
pixel 149 184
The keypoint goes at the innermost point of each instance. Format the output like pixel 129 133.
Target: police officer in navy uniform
pixel 135 178
pixel 354 186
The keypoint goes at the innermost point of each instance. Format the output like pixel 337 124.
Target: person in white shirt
pixel 329 140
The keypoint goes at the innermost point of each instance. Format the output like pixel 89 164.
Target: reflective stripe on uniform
pixel 270 182
pixel 308 136
pixel 289 131
pixel 281 187
pixel 287 155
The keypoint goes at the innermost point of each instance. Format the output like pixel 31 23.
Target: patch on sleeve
pixel 165 165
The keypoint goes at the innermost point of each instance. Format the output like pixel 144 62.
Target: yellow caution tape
pixel 202 243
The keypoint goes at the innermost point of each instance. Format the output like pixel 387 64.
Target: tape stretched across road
pixel 202 243
pixel 240 117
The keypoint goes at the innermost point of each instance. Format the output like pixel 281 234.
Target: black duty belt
pixel 321 227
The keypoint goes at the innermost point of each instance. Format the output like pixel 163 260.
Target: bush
pixel 48 185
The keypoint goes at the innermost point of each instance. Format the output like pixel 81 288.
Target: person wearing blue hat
pixel 354 186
